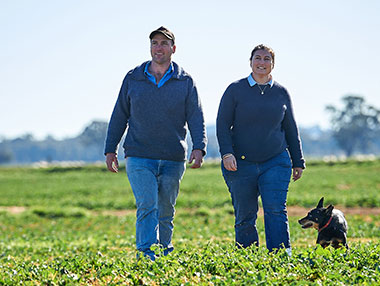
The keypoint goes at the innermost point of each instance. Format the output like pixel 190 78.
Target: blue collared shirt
pixel 165 78
pixel 252 82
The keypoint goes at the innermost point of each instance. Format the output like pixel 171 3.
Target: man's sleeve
pixel 195 119
pixel 119 120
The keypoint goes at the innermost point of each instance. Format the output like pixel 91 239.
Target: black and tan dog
pixel 330 223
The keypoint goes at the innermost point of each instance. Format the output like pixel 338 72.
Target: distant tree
pixel 5 156
pixel 27 137
pixel 94 133
pixel 317 142
pixel 356 125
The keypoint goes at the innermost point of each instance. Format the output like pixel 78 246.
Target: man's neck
pixel 158 70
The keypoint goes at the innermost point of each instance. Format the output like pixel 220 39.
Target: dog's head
pixel 316 216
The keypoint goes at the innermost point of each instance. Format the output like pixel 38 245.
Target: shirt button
pixel 242 157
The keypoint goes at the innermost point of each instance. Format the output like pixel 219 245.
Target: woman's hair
pixel 262 47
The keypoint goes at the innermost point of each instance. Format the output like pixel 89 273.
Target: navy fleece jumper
pixel 256 127
pixel 157 117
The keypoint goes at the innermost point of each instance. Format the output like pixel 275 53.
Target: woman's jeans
pixel 155 185
pixel 270 180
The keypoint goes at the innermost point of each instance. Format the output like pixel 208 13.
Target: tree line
pixel 355 129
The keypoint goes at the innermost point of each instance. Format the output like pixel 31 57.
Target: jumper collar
pixel 326 225
pixel 252 82
pixel 138 72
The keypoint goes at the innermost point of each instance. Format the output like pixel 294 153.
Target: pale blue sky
pixel 62 62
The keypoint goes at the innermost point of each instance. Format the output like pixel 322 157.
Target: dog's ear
pixel 329 210
pixel 320 204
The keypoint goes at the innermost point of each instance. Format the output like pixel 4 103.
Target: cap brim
pixel 160 32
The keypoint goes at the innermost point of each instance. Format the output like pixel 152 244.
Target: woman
pixel 256 132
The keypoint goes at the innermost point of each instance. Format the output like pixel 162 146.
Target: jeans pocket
pixel 276 178
pixel 227 175
pixel 284 160
pixel 284 174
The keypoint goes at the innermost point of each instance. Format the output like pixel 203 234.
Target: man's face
pixel 161 49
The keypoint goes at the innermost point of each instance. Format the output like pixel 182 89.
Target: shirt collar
pixel 169 73
pixel 252 82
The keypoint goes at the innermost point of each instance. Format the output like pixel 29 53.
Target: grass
pixel 346 183
pixel 99 249
pixel 72 231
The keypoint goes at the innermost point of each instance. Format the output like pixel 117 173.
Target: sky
pixel 62 62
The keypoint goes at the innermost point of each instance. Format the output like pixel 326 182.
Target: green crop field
pixel 75 226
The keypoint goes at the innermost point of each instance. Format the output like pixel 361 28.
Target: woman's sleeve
pixel 292 135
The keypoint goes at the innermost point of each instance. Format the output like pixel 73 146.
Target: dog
pixel 330 223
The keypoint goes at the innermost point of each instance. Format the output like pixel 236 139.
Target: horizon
pixel 48 136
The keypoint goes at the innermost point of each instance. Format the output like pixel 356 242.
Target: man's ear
pixel 174 47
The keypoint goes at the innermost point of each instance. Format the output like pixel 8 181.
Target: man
pixel 156 102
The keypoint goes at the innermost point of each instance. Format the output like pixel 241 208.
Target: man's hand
pixel 112 162
pixel 297 173
pixel 197 157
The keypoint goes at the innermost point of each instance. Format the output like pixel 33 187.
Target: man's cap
pixel 164 31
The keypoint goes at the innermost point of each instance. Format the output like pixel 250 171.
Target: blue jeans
pixel 155 185
pixel 270 180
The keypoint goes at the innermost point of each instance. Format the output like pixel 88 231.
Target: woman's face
pixel 262 63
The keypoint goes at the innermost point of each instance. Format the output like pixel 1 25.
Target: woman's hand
pixel 229 162
pixel 297 173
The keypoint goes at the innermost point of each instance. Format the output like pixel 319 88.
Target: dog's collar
pixel 326 225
